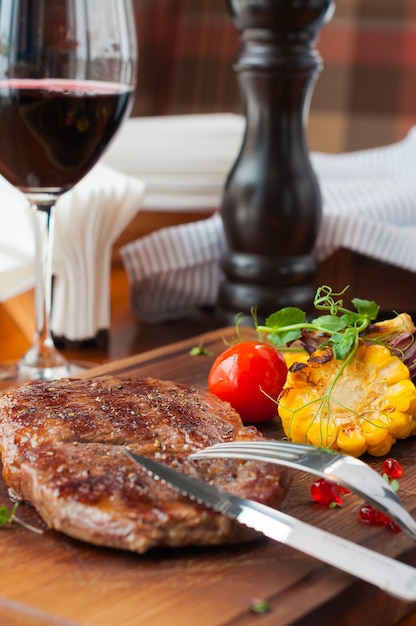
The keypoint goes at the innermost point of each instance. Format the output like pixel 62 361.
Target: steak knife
pixel 394 577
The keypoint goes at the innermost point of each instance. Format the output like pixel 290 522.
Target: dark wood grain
pixel 52 579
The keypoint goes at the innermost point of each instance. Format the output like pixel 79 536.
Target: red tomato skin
pixel 243 375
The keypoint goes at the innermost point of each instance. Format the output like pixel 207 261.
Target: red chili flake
pixel 392 468
pixel 327 493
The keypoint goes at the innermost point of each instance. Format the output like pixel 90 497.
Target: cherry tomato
pixel 245 375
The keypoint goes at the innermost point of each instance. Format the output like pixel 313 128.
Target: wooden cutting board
pixel 49 579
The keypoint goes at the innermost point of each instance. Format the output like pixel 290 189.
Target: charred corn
pixel 362 406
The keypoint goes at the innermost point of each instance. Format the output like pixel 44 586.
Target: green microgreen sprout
pixel 333 505
pixel 8 516
pixel 200 350
pixel 394 483
pixel 340 325
pixel 260 606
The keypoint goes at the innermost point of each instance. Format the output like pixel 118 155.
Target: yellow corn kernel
pixel 382 448
pixel 401 395
pixel 322 434
pixel 375 428
pixel 303 405
pixel 374 354
pixel 298 429
pixel 351 439
pixel 394 370
pixel 400 424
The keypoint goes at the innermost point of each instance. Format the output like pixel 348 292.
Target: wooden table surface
pixel 51 579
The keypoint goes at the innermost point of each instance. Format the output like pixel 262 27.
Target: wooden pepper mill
pixel 271 205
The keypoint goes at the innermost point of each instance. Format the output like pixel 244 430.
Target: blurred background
pixel 364 97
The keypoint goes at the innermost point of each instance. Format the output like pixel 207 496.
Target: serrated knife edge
pixel 396 578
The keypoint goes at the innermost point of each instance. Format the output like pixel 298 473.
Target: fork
pixel 341 469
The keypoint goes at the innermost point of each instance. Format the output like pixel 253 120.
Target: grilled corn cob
pixel 362 406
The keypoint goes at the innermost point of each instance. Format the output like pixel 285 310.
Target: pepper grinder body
pixel 271 206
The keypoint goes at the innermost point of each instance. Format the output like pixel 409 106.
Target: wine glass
pixel 67 78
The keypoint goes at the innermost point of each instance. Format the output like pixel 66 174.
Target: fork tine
pixel 286 450
pixel 300 454
pixel 320 461
pixel 295 450
pixel 251 453
pixel 259 451
pixel 344 470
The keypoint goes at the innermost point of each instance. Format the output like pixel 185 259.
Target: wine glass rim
pixel 77 83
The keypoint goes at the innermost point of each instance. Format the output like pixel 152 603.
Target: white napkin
pixel 16 242
pixel 88 220
pixel 369 206
pixel 182 159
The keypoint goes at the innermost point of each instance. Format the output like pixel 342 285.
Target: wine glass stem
pixel 44 216
pixel 43 360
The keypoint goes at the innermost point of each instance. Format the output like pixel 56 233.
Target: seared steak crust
pixel 62 446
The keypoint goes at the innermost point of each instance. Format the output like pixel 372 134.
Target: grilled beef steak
pixel 62 445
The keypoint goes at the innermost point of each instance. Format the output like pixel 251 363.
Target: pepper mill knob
pixel 271 205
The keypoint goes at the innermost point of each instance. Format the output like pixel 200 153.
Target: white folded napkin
pixel 369 206
pixel 88 220
pixel 17 242
pixel 182 159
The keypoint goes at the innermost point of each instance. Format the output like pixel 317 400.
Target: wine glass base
pixel 14 374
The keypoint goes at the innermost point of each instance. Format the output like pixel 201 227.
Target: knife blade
pixel 394 577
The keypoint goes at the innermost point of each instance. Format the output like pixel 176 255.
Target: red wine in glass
pixel 53 131
pixel 67 75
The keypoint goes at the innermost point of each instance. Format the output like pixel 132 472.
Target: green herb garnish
pixel 8 516
pixel 200 350
pixel 341 326
pixel 393 482
pixel 260 606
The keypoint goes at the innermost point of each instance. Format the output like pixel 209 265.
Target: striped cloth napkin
pixel 369 207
